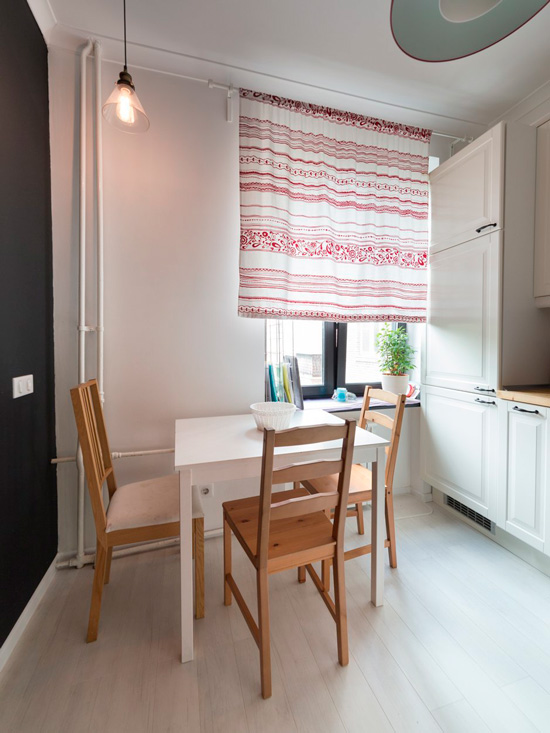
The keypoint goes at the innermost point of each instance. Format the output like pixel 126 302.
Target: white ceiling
pixel 343 45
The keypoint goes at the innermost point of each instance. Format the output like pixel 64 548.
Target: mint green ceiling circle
pixel 444 30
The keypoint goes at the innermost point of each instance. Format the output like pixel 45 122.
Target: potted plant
pixel 395 358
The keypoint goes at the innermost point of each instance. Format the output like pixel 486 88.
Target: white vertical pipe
pixel 99 210
pixel 82 292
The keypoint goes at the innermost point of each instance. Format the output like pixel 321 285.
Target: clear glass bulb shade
pixel 124 111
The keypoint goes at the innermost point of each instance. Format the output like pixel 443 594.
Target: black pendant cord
pixel 125 57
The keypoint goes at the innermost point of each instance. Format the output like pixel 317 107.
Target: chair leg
pixel 325 564
pixel 360 518
pixel 198 544
pixel 341 611
pixel 108 565
pixel 301 575
pixel 263 628
pixel 325 574
pixel 226 562
pixel 390 528
pixel 97 591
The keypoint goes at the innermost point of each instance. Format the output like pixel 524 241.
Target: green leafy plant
pixel 395 353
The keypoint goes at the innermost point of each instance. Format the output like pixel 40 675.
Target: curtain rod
pixel 230 88
pixel 453 137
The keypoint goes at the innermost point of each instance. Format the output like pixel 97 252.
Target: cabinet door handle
pixel 486 402
pixel 486 226
pixel 531 412
pixel 484 389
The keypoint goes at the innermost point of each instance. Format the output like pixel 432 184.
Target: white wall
pixel 174 344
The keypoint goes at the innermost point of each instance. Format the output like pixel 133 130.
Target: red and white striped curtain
pixel 334 214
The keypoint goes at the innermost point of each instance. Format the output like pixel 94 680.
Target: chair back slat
pixel 305 471
pixel 380 419
pixel 303 505
pixel 394 424
pixel 309 434
pixel 302 472
pixel 94 445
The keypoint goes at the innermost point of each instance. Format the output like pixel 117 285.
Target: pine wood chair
pixel 137 512
pixel 290 529
pixel 360 488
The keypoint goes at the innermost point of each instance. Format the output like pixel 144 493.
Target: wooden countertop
pixel 531 396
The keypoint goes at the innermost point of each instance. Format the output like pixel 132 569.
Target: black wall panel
pixel 28 503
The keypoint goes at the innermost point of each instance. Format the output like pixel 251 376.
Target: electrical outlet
pixel 22 386
pixel 206 490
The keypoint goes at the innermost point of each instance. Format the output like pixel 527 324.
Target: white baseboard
pixel 423 496
pixel 401 490
pixel 522 550
pixel 21 624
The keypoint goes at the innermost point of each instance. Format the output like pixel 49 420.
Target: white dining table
pixel 213 449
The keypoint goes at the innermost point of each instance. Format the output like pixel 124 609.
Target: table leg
pixel 378 530
pixel 186 566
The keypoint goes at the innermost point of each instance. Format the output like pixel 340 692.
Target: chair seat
pixel 286 536
pixel 360 485
pixel 146 503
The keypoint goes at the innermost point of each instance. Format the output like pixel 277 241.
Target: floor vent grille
pixel 470 514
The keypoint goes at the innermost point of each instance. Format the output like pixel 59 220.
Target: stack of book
pixel 282 382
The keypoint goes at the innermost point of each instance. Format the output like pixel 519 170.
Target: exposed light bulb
pixel 124 110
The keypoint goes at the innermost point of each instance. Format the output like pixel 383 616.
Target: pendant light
pixel 123 109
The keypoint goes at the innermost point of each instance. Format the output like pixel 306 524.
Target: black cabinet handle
pixel 484 389
pixel 485 402
pixel 486 226
pixel 521 409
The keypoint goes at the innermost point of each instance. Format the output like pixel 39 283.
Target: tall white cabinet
pixel 467 192
pixel 483 328
pixel 462 337
pixel 542 219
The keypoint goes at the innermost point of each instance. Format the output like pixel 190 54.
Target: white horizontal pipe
pixel 117 454
pixel 229 88
pixel 453 137
pixel 131 454
pixel 133 550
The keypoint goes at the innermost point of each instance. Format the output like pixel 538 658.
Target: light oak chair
pixel 360 488
pixel 290 529
pixel 138 512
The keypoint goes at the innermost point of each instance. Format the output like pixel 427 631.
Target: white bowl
pixel 276 415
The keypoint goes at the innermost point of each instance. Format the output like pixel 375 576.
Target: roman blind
pixel 334 214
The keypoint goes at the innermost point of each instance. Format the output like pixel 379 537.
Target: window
pixel 329 355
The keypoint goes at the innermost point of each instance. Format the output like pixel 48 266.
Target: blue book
pixel 272 384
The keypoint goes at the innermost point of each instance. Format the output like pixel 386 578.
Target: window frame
pixel 334 364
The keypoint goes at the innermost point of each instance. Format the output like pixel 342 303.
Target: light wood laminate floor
pixel 462 644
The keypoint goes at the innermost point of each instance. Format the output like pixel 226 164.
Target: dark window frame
pixel 334 364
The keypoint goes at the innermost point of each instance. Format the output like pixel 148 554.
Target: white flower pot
pixel 397 385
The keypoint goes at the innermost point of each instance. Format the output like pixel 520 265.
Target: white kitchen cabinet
pixel 460 447
pixel 542 218
pixel 466 192
pixel 460 187
pixel 461 349
pixel 523 479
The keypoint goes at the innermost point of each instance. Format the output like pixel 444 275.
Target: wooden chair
pixel 360 488
pixel 290 529
pixel 138 512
